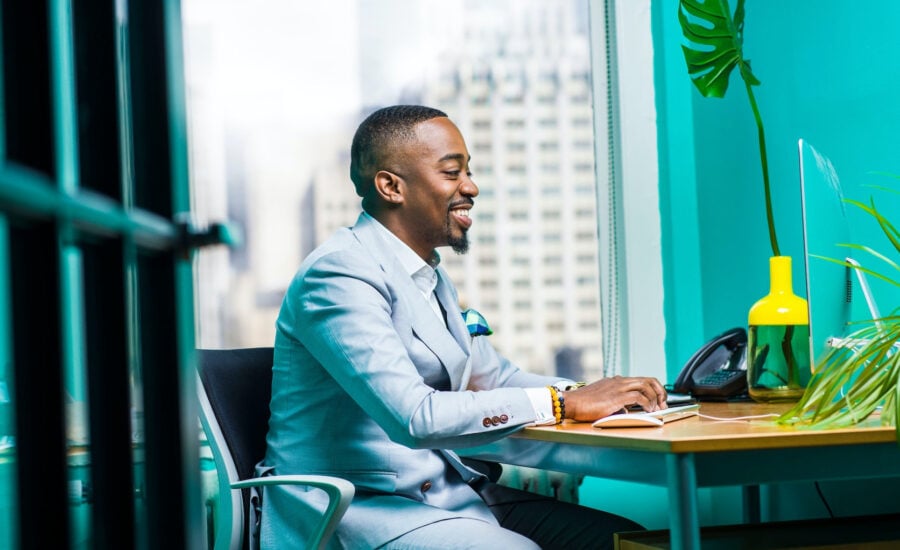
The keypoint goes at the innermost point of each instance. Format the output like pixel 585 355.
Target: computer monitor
pixel 825 226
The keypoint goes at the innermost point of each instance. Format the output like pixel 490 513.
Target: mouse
pixel 645 419
pixel 627 420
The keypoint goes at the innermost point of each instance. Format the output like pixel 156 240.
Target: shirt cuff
pixel 542 403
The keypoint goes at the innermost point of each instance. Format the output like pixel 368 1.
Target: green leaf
pixel 878 255
pixel 866 270
pixel 852 382
pixel 714 46
pixel 887 227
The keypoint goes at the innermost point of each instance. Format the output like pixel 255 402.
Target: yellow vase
pixel 778 355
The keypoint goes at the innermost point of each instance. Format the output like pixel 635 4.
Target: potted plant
pixel 854 379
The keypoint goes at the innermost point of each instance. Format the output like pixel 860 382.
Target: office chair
pixel 234 389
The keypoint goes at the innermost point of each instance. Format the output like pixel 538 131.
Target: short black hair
pixel 377 133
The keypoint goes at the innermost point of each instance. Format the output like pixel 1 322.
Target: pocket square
pixel 476 323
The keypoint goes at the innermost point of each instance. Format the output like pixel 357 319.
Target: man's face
pixel 438 188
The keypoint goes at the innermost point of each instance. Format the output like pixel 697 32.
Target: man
pixel 376 375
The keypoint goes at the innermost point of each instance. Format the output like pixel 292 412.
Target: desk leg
pixel 684 523
pixel 752 504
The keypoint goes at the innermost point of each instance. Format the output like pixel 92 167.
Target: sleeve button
pixel 495 420
pixel 486 422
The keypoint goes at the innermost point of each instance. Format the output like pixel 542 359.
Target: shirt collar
pixel 410 261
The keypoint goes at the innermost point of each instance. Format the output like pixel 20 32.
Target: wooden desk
pixel 700 452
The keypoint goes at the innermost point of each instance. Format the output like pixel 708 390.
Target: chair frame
pixel 231 534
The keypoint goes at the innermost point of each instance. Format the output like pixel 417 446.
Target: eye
pixel 452 173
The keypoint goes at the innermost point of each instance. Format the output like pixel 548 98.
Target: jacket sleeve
pixel 342 310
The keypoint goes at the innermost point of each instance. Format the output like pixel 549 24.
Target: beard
pixel 460 244
pixel 445 237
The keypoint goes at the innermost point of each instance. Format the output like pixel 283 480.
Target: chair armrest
pixel 340 493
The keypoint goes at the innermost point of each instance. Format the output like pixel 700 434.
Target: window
pixel 272 162
pixel 96 423
pixel 552 238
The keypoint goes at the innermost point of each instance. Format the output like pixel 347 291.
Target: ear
pixel 389 187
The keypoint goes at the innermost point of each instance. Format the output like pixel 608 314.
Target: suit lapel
pixel 460 375
pixel 449 346
pixel 454 316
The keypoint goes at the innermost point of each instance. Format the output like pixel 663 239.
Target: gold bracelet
pixel 575 386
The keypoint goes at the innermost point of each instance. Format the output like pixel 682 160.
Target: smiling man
pixel 376 374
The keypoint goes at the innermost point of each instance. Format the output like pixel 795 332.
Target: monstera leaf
pixel 713 50
pixel 708 24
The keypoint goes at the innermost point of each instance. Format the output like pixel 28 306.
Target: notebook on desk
pixel 647 419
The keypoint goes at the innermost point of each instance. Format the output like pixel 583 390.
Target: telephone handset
pixel 718 370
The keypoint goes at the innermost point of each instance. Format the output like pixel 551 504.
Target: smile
pixel 461 215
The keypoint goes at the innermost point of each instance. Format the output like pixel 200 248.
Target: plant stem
pixel 765 169
pixel 788 351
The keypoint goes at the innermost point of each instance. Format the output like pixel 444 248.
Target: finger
pixel 654 392
pixel 642 399
pixel 661 394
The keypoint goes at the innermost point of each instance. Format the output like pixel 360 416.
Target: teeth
pixel 463 213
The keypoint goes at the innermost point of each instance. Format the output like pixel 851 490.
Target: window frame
pixel 627 172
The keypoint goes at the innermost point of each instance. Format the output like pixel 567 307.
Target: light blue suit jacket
pixel 357 350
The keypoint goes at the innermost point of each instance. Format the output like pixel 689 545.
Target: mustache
pixel 462 201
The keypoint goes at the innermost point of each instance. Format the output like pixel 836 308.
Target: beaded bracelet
pixel 557 407
pixel 562 405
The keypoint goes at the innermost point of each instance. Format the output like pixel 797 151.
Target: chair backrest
pixel 234 390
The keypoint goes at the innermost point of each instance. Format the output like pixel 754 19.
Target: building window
pixel 275 159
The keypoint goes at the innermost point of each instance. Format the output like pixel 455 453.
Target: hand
pixel 609 395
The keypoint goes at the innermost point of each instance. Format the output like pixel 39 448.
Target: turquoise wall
pixel 829 75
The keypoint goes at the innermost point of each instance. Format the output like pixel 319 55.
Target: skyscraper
pixel 518 86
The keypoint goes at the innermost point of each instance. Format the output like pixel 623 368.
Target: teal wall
pixel 649 505
pixel 829 75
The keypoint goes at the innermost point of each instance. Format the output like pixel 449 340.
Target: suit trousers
pixel 527 521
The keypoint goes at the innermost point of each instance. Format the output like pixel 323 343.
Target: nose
pixel 468 187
